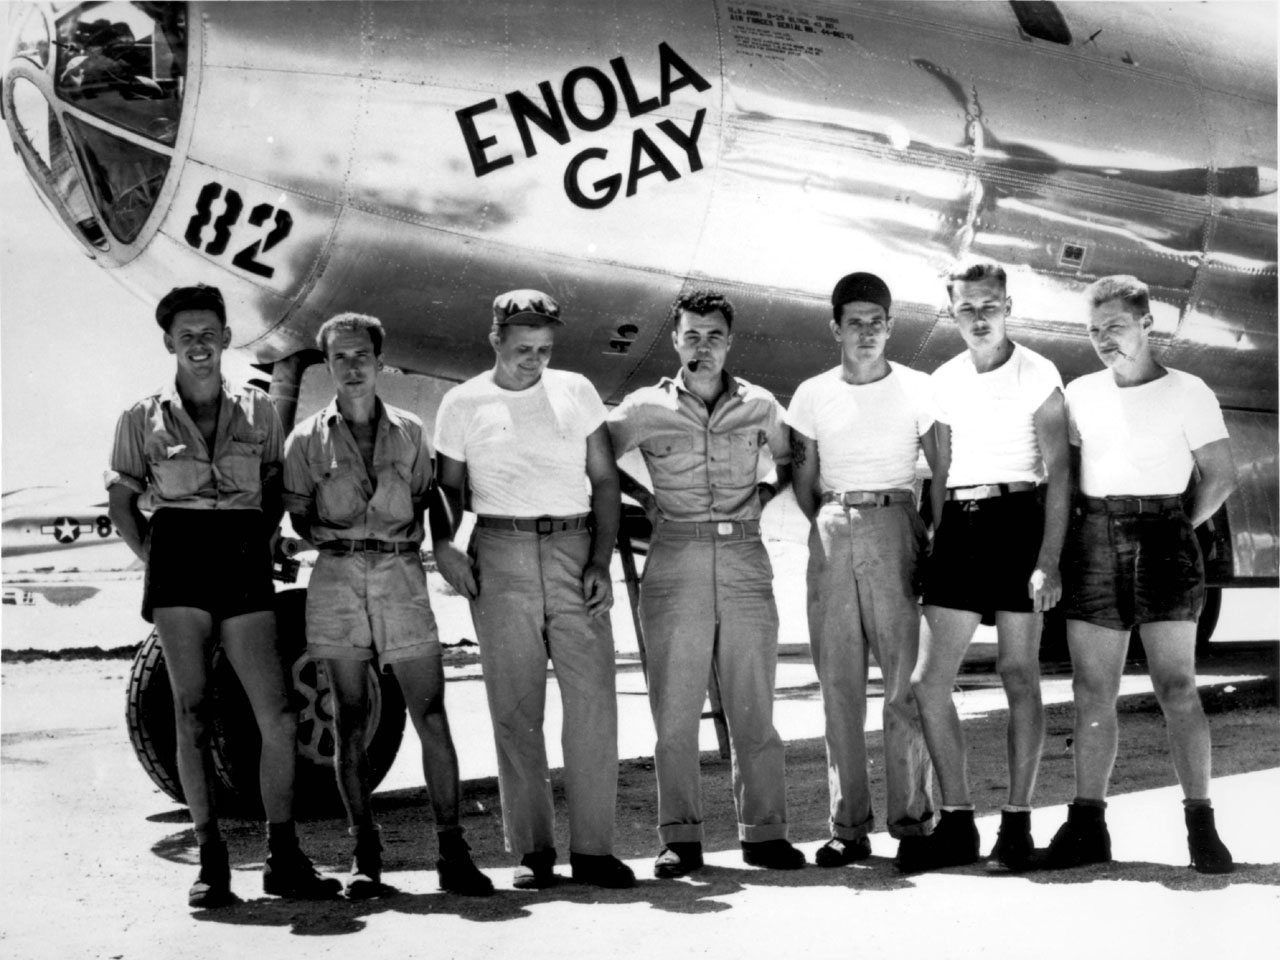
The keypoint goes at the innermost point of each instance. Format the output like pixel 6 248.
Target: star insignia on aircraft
pixel 66 530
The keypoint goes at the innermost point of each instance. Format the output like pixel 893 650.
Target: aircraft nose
pixel 117 89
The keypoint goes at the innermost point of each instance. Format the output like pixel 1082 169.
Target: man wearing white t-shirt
pixel 531 446
pixel 856 433
pixel 1002 450
pixel 1132 560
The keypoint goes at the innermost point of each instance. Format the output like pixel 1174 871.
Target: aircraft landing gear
pixel 236 743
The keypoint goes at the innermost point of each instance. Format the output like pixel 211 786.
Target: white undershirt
pixel 868 435
pixel 1138 441
pixel 991 416
pixel 525 450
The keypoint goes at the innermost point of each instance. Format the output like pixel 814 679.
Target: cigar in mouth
pixel 693 365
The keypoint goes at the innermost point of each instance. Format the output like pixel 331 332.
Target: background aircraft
pixel 411 160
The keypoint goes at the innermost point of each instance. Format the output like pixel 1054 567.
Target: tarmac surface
pixel 95 861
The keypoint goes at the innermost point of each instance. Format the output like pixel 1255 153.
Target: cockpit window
pixel 125 178
pixel 33 40
pixel 40 132
pixel 125 63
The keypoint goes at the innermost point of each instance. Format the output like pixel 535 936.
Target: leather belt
pixel 533 524
pixel 708 529
pixel 868 498
pixel 368 546
pixel 984 491
pixel 1166 504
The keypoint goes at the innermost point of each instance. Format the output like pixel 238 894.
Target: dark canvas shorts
pixel 1122 569
pixel 214 560
pixel 984 552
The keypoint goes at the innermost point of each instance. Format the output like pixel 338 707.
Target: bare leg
pixel 185 633
pixel 422 682
pixel 943 640
pixel 250 644
pixel 1018 663
pixel 1097 664
pixel 348 684
pixel 1171 658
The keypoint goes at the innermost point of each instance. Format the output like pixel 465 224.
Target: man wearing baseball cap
pixel 530 446
pixel 856 433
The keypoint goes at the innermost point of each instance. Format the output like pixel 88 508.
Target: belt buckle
pixel 724 528
pixel 543 525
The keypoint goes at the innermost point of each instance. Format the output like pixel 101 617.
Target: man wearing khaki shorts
pixel 357 476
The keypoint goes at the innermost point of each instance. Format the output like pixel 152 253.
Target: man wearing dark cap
pixel 357 477
pixel 529 445
pixel 856 433
pixel 205 457
pixel 706 603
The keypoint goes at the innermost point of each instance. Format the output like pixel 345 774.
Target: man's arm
pixel 941 467
pixel 445 518
pixel 641 494
pixel 1216 481
pixel 1045 586
pixel 929 445
pixel 122 508
pixel 804 472
pixel 602 471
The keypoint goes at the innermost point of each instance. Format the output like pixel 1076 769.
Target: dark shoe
pixel 534 872
pixel 460 875
pixel 603 870
pixel 1208 853
pixel 213 886
pixel 1014 849
pixel 953 843
pixel 678 859
pixel 1082 840
pixel 839 853
pixel 289 874
pixel 366 868
pixel 773 854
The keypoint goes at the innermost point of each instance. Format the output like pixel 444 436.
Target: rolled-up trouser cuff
pixel 912 828
pixel 758 833
pixel 680 833
pixel 855 832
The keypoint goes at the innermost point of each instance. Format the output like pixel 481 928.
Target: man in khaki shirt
pixel 357 475
pixel 706 602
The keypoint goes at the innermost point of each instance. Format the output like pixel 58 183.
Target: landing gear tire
pixel 236 742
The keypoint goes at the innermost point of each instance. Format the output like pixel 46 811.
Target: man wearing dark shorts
pixel 1000 499
pixel 205 457
pixel 1132 559
pixel 357 476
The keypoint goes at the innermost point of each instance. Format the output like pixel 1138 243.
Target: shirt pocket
pixel 667 455
pixel 394 498
pixel 176 474
pixel 744 454
pixel 240 466
pixel 340 498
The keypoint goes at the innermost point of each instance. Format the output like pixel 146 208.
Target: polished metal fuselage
pixel 784 145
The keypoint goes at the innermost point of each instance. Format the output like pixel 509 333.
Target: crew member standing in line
pixel 1002 430
pixel 706 601
pixel 857 431
pixel 357 476
pixel 1132 560
pixel 531 445
pixel 206 458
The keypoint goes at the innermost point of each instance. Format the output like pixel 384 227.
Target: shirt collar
pixel 331 411
pixel 169 392
pixel 733 386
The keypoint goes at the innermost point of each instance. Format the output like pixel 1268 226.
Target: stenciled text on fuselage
pixel 588 100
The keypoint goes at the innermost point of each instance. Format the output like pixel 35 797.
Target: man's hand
pixel 1045 588
pixel 455 567
pixel 597 589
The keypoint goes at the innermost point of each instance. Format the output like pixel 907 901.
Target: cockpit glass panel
pixel 33 40
pixel 125 179
pixel 125 63
pixel 55 173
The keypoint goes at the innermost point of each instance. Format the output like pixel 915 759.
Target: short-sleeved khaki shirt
pixel 160 453
pixel 704 465
pixel 325 477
